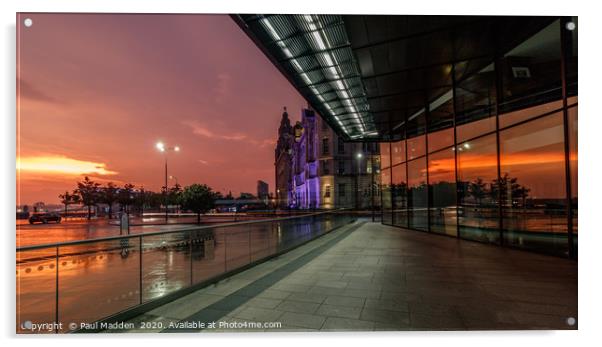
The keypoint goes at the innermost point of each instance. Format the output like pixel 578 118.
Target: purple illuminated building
pixel 297 179
pixel 316 169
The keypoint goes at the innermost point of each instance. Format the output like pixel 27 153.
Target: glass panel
pixel 478 214
pixel 398 152
pixel 36 286
pixel 417 194
pixel 475 99
pixel 574 151
pixel 165 264
pixel 441 139
pixel 442 182
pixel 528 113
pixel 260 240
pixel 385 155
pixel 208 253
pixel 415 133
pixel 441 119
pixel 237 241
pixel 571 61
pixel 416 147
pixel 385 186
pixel 399 195
pixel 533 185
pixel 91 287
pixel 531 71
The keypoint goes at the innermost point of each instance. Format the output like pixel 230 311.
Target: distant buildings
pixel 263 191
pixel 316 169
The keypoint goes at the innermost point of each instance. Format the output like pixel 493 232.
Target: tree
pixel 125 196
pixel 69 199
pixel 522 193
pixel 88 192
pixel 109 196
pixel 173 195
pixel 198 198
pixel 140 200
pixel 478 190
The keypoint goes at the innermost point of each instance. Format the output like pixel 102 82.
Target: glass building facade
pixel 491 155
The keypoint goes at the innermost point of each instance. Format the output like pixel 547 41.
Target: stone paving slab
pixel 372 277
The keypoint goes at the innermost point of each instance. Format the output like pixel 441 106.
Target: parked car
pixel 44 218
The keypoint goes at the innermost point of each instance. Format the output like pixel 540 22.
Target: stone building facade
pixel 315 168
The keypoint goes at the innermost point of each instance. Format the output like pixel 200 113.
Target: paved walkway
pixel 367 276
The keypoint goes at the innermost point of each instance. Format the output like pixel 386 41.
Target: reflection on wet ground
pixel 101 278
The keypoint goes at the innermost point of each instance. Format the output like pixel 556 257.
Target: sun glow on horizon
pixel 61 165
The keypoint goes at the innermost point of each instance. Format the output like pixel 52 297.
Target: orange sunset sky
pixel 96 92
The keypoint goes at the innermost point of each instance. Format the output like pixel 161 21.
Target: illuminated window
pixel 533 185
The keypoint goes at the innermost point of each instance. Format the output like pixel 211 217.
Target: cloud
pixel 204 162
pixel 57 164
pixel 28 91
pixel 264 143
pixel 204 131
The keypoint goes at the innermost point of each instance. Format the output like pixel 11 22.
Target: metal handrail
pixel 167 232
pixel 223 267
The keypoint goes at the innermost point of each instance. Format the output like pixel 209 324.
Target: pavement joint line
pixel 215 311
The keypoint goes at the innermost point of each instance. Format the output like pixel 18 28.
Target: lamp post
pixel 164 149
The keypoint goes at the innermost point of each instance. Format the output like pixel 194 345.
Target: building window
pixel 399 200
pixel 327 191
pixel 325 167
pixel 341 168
pixel 325 147
pixel 342 190
pixel 477 206
pixel 532 185
pixel 442 185
pixel 417 194
pixel 341 146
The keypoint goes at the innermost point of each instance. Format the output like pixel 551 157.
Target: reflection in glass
pixel 478 215
pixel 475 99
pixel 416 142
pixel 398 152
pixel 528 113
pixel 36 285
pixel 531 71
pixel 533 185
pixel 417 194
pixel 165 264
pixel 441 139
pixel 114 291
pixel 385 181
pixel 573 155
pixel 441 120
pixel 399 195
pixel 385 155
pixel 571 61
pixel 416 147
pixel 442 184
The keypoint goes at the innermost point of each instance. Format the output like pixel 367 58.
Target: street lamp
pixel 161 147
